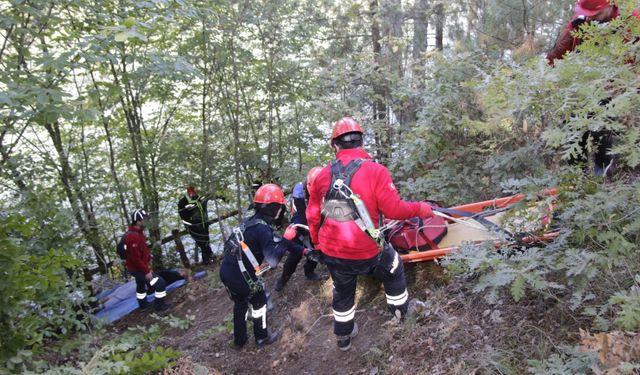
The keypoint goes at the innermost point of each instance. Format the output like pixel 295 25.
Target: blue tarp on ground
pixel 121 300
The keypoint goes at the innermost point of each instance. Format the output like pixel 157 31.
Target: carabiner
pixel 239 235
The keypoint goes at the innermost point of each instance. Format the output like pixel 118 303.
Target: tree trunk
pixel 379 90
pixel 83 213
pixel 112 160
pixel 439 15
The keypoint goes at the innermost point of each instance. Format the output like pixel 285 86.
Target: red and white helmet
pixel 590 8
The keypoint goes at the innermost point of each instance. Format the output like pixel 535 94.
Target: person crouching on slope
pixel 343 227
pixel 245 250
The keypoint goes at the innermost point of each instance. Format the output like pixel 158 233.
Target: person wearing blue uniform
pixel 299 234
pixel 253 242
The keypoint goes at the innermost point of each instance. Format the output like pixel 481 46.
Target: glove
pixel 425 210
pixel 290 233
pixel 306 251
pixel 149 276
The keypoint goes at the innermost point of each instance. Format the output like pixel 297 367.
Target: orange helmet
pixel 312 174
pixel 345 125
pixel 269 193
pixel 590 8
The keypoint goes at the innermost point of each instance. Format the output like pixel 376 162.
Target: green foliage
pixel 568 362
pixel 126 353
pixel 38 299
pixel 154 360
pixel 175 321
pixel 628 303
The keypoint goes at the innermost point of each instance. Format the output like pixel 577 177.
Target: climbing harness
pixel 236 246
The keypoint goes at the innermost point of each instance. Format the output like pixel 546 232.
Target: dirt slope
pixel 302 315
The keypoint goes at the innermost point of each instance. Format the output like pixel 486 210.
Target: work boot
pixel 280 284
pixel 143 304
pixel 237 345
pixel 161 305
pixel 312 276
pixel 399 312
pixel 270 339
pixel 344 342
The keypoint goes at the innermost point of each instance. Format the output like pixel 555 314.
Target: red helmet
pixel 345 125
pixel 590 8
pixel 269 193
pixel 312 174
pixel 191 191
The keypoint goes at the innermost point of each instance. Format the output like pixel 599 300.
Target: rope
pixel 463 222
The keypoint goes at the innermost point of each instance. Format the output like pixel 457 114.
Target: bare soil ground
pixel 302 315
pixel 451 332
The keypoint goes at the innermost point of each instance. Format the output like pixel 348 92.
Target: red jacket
pixel 566 42
pixel 138 254
pixel 372 182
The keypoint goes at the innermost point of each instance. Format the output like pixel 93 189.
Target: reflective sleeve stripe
pixel 260 313
pixel 186 222
pixel 396 262
pixel 398 300
pixel 190 206
pixel 141 295
pixel 161 294
pixel 344 316
pixel 153 281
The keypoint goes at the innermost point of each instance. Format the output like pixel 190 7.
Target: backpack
pixel 121 247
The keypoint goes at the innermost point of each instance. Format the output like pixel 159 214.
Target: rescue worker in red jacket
pixel 587 11
pixel 349 245
pixel 138 258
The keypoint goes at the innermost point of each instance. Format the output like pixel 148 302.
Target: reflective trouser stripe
pixel 141 295
pixel 396 262
pixel 398 300
pixel 260 313
pixel 153 281
pixel 345 316
pixel 161 294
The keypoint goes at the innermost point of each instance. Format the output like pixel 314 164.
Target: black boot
pixel 280 284
pixel 161 305
pixel 312 276
pixel 344 342
pixel 143 304
pixel 270 339
pixel 400 312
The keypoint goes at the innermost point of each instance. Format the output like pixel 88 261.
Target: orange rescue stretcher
pixel 462 230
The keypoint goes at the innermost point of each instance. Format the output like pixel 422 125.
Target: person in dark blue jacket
pixel 299 232
pixel 251 243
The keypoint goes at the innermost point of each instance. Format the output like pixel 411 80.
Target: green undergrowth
pixel 135 350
